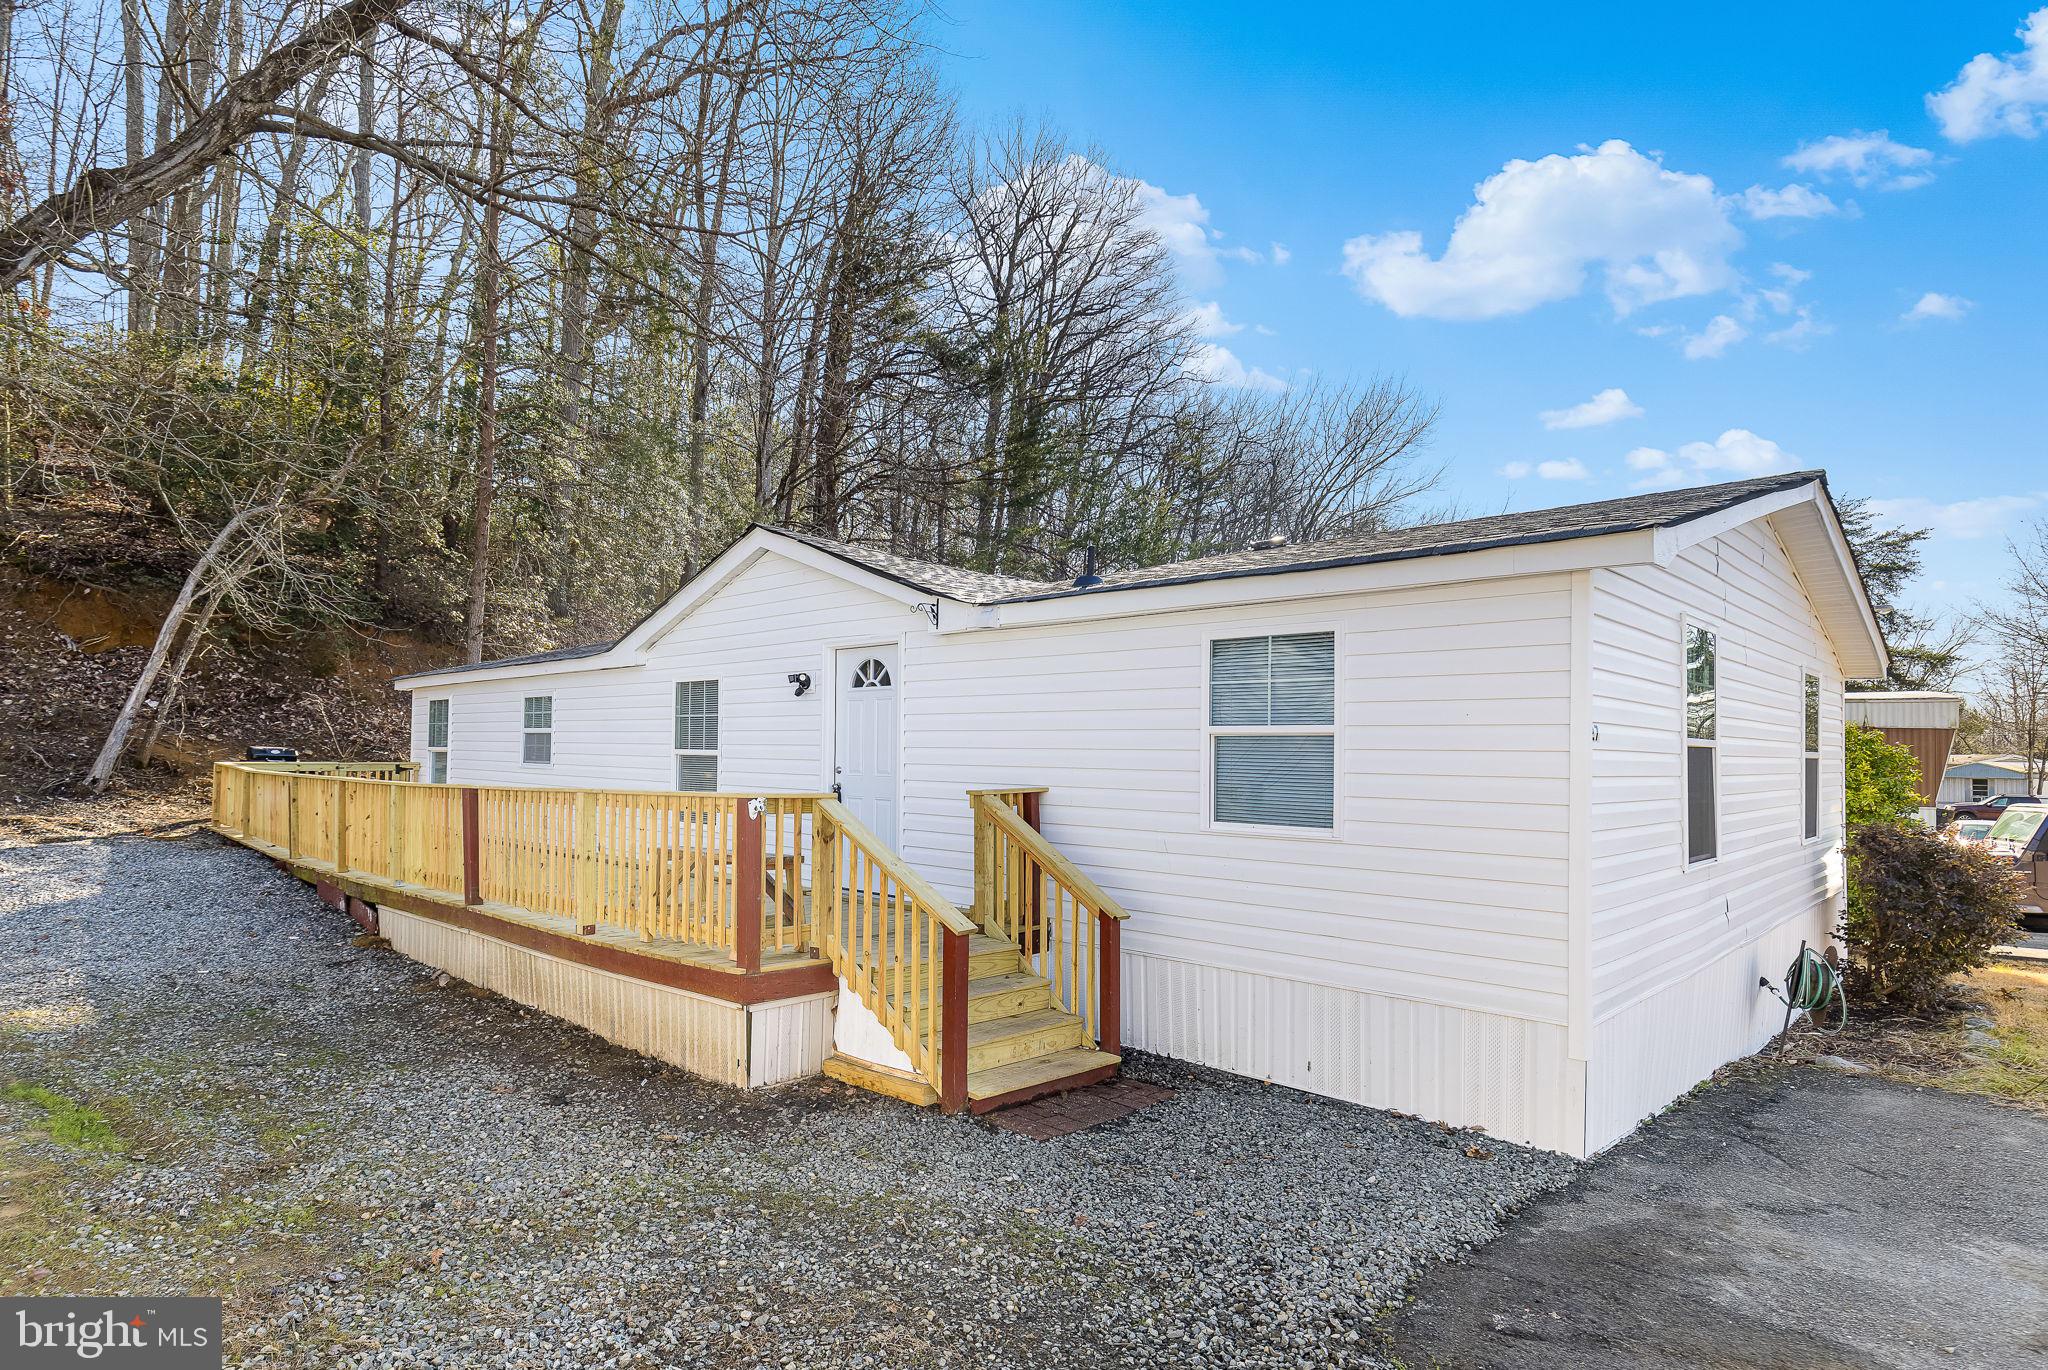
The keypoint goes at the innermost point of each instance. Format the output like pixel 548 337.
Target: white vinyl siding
pixel 1659 925
pixel 696 735
pixel 537 747
pixel 1273 731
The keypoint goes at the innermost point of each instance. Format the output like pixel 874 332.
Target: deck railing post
pixel 394 845
pixel 340 825
pixel 248 783
pixel 749 876
pixel 472 847
pixel 952 1021
pixel 291 817
pixel 1109 982
pixel 984 865
pixel 586 862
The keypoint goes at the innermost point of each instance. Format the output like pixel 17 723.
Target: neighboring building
pixel 1972 778
pixel 1498 822
pixel 1921 721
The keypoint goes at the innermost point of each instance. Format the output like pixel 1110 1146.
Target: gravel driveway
pixel 379 1168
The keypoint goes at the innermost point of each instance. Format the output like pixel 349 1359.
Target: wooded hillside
pixel 499 321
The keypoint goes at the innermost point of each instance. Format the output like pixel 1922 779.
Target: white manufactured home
pixel 1498 822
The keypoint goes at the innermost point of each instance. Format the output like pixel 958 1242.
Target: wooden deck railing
pixel 900 945
pixel 716 870
pixel 1069 931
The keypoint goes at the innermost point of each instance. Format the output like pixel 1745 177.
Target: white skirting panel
pixel 859 1035
pixel 707 1037
pixel 789 1039
pixel 1649 1053
pixel 1510 1076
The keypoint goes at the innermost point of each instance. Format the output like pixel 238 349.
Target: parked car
pixel 1993 807
pixel 1971 832
pixel 2021 837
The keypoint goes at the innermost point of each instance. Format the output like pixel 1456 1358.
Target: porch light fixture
pixel 802 681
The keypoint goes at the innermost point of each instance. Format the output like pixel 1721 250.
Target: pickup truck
pixel 1993 807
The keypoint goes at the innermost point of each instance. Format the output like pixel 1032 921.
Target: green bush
pixel 1879 780
pixel 1922 908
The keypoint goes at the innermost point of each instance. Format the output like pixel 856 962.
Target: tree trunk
pixel 104 198
pixel 124 722
pixel 488 275
pixel 193 637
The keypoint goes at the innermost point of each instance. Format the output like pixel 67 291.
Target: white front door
pixel 867 742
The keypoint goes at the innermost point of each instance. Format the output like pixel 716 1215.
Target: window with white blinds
pixel 697 735
pixel 1809 769
pixel 1273 731
pixel 437 741
pixel 538 747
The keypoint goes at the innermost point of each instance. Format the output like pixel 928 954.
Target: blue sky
pixel 1754 225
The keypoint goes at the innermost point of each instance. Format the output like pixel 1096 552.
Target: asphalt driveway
pixel 1790 1218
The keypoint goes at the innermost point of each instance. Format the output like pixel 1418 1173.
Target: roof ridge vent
pixel 1087 578
pixel 1271 543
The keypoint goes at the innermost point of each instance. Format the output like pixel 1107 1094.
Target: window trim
pixel 676 754
pixel 527 730
pixel 1333 730
pixel 1975 781
pixel 438 759
pixel 1687 623
pixel 1813 754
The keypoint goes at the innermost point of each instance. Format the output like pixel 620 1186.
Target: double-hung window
pixel 437 741
pixel 697 735
pixel 538 745
pixel 1980 789
pixel 1702 703
pixel 1273 731
pixel 1810 760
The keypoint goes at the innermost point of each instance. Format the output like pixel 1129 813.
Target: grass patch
pixel 66 1121
pixel 2016 999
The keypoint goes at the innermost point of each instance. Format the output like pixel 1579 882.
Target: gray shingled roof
pixel 530 659
pixel 1633 513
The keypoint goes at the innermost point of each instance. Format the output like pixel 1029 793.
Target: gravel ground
pixel 377 1167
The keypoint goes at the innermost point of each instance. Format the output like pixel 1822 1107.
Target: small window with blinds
pixel 437 741
pixel 1810 761
pixel 697 736
pixel 538 747
pixel 1702 741
pixel 1273 732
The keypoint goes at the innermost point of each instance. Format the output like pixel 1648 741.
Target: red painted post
pixel 1109 977
pixel 952 1021
pixel 749 876
pixel 472 849
pixel 1030 809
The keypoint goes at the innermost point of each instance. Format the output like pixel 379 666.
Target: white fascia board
pixel 601 662
pixel 1675 539
pixel 1493 563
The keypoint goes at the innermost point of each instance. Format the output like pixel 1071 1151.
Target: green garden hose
pixel 1812 983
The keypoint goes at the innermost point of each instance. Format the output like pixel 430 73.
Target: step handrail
pixel 898 943
pixel 1052 858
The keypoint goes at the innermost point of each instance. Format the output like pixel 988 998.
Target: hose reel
pixel 1812 982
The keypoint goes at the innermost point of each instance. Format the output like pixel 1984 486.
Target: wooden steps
pixel 1037 1076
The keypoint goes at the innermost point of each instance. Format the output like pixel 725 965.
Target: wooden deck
pixel 744 899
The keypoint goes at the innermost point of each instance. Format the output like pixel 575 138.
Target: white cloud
pixel 1737 452
pixel 1281 256
pixel 1866 159
pixel 1993 95
pixel 1216 363
pixel 1795 201
pixel 1570 469
pixel 1803 329
pixel 1790 275
pixel 1720 334
pixel 1536 229
pixel 1935 305
pixel 1243 254
pixel 1966 520
pixel 1207 321
pixel 1181 223
pixel 1609 406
